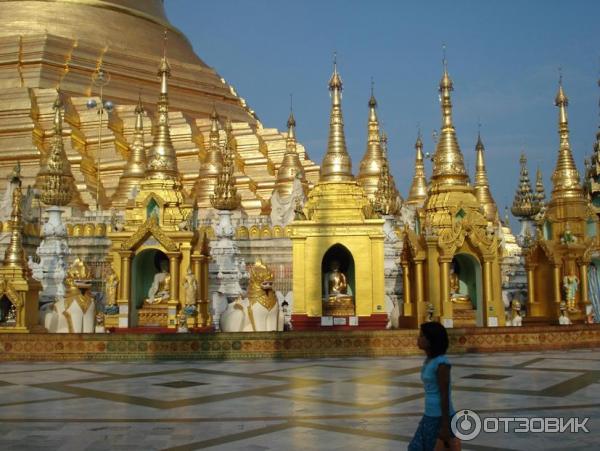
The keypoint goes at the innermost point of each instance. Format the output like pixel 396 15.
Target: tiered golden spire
pixel 372 162
pixel 55 177
pixel 524 205
pixel 386 196
pixel 448 163
pixel 162 161
pixel 540 192
pixel 337 165
pixel 135 171
pixel 212 164
pixel 291 167
pixel 565 179
pixel 15 255
pixel 482 185
pixel 226 196
pixel 418 188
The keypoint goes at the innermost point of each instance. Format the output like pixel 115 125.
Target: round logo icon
pixel 466 425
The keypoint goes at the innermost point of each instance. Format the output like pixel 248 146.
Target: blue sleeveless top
pixel 433 407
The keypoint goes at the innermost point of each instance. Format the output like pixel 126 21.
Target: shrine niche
pixel 338 275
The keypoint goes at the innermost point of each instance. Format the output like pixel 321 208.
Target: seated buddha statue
pixel 160 290
pixel 338 301
pixel 456 296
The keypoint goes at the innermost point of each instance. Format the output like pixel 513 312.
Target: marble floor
pixel 325 404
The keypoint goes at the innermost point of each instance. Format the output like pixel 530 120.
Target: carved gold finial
pixel 565 179
pixel 55 176
pixel 418 188
pixel 15 255
pixel 540 192
pixel 291 167
pixel 135 171
pixel 524 204
pixel 372 161
pixel 337 165
pixel 482 186
pixel 448 163
pixel 162 161
pixel 212 164
pixel 226 196
pixel 385 200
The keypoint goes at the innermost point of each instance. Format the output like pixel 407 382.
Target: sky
pixel 503 56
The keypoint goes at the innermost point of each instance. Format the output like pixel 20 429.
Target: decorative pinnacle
pixel 55 175
pixel 225 195
pixel 337 165
pixel 524 204
pixel 335 82
pixel 15 255
pixel 565 178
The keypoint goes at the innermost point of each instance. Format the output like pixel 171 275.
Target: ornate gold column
pixel 583 277
pixel 173 302
pixel 125 288
pixel 419 292
pixel 533 305
pixel 407 310
pixel 557 290
pixel 445 304
pixel 487 291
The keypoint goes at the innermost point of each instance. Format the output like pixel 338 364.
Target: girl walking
pixel 435 374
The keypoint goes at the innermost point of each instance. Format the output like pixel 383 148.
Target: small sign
pixel 326 320
pixel 353 321
pixel 493 321
pixel 339 321
pixel 448 323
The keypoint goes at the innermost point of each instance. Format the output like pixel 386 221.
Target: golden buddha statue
pixel 338 301
pixel 458 298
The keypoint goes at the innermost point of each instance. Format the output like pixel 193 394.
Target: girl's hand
pixel 444 434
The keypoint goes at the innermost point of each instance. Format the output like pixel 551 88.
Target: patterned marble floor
pixel 325 404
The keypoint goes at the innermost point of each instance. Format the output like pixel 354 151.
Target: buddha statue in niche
pixel 160 290
pixel 337 299
pixel 462 299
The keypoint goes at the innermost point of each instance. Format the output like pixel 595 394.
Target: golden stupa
pixel 337 246
pixel 62 44
pixel 557 264
pixel 453 259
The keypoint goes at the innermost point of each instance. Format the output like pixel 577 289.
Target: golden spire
pixel 448 163
pixel 385 198
pixel 290 167
pixel 524 205
pixel 482 185
pixel 418 189
pixel 162 161
pixel 212 164
pixel 372 161
pixel 135 171
pixel 540 192
pixel 56 179
pixel 337 165
pixel 226 196
pixel 565 179
pixel 15 255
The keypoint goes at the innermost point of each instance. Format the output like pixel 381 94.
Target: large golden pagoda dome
pixel 47 45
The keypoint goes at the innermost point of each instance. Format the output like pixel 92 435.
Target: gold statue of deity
pixel 455 295
pixel 338 302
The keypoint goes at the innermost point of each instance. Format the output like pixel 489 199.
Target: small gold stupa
pixel 453 259
pixel 557 264
pixel 338 249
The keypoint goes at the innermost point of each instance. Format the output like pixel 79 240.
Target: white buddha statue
pixel 160 290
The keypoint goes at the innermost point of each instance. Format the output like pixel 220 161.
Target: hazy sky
pixel 503 57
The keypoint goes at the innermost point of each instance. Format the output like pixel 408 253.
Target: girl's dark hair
pixel 436 336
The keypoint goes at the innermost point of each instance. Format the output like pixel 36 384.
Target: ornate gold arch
pixel 149 228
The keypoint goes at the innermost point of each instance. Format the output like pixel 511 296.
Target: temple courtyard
pixel 320 404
